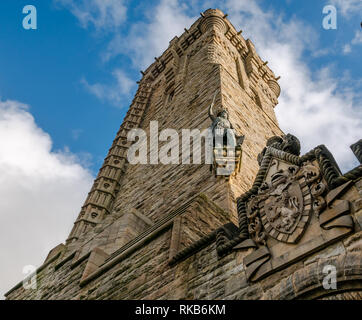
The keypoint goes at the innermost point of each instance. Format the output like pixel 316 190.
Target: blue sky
pixel 44 68
pixel 65 88
pixel 48 68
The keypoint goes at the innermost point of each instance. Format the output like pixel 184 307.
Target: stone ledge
pixel 159 227
pixel 123 254
pixel 80 260
pixel 65 260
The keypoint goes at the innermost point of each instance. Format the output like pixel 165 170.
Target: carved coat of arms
pixel 294 208
pixel 282 207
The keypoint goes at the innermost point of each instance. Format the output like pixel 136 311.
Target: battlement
pixel 213 21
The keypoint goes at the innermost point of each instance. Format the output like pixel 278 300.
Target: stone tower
pixel 176 91
pixel 171 231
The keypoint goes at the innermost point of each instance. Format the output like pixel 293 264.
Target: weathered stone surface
pixel 354 242
pixel 333 250
pixel 353 264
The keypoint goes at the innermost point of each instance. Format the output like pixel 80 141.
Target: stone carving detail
pixel 256 230
pixel 225 233
pixel 287 143
pixel 284 207
pixel 290 194
pixel 335 212
pixel 283 204
pixel 318 190
pixel 309 172
pixel 274 86
pixel 226 143
pixel 222 128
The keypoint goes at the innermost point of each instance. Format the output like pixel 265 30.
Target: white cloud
pixel 347 7
pixel 114 92
pixel 107 16
pixel 357 37
pixel 322 52
pixel 102 14
pixel 149 39
pixel 144 41
pixel 357 40
pixel 347 48
pixel 41 193
pixel 313 104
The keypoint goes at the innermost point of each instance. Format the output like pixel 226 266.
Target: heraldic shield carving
pixel 295 207
pixel 283 203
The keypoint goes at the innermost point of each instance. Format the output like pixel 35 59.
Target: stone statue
pixel 222 129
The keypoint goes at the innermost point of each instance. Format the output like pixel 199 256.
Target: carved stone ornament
pixel 283 203
pixel 296 206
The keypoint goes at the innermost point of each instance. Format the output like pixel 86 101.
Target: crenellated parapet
pixel 214 29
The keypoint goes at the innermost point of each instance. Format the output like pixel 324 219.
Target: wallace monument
pixel 258 221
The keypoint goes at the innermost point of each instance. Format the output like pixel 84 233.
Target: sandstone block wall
pixel 145 274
